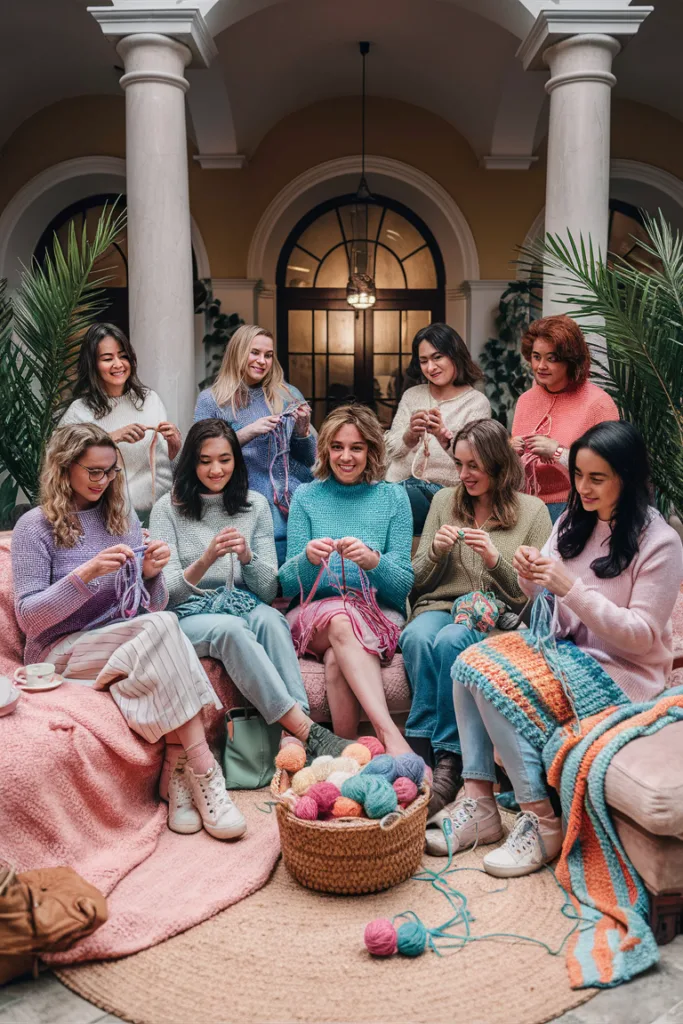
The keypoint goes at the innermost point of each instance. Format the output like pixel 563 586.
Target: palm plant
pixel 638 314
pixel 40 334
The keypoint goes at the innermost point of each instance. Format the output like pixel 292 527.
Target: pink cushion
pixel 677 625
pixel 12 639
pixel 394 678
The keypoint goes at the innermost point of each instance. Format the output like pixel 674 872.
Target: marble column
pixel 577 177
pixel 159 242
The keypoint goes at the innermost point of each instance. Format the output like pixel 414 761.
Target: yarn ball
pixel 380 937
pixel 324 794
pixel 405 790
pixel 339 778
pixel 345 764
pixel 323 759
pixel 383 765
pixel 303 780
pixel 411 766
pixel 345 808
pixel 355 788
pixel 411 938
pixel 322 770
pixel 292 758
pixel 373 745
pixel 358 752
pixel 306 808
pixel 380 798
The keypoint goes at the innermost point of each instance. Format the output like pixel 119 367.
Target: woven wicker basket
pixel 351 855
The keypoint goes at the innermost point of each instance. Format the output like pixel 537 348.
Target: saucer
pixel 50 684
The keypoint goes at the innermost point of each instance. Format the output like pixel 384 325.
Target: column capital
pixel 183 24
pixel 554 25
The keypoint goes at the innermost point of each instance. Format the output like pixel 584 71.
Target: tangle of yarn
pixel 542 634
pixel 278 448
pixel 227 600
pixel 364 600
pixel 130 591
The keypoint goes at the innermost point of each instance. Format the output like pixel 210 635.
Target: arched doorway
pixel 331 352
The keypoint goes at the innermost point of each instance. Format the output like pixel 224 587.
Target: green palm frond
pixel 40 342
pixel 639 317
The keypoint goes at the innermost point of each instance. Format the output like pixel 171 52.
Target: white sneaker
pixel 183 816
pixel 220 817
pixel 469 822
pixel 526 849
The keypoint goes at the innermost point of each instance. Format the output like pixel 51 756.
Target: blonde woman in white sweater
pixel 419 444
pixel 108 392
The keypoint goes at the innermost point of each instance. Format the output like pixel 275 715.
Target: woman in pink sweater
pixel 614 568
pixel 560 406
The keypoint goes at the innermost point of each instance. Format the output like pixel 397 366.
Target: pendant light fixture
pixel 360 291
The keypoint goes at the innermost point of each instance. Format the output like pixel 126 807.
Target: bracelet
pixel 558 453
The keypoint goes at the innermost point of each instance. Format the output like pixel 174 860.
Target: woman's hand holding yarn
pixel 264 425
pixel 130 434
pixel 356 551
pixel 319 549
pixel 481 543
pixel 107 561
pixel 172 436
pixel 518 444
pixel 302 420
pixel 523 561
pixel 542 447
pixel 552 575
pixel 157 555
pixel 444 540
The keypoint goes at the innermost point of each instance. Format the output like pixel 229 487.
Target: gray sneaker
pixel 469 823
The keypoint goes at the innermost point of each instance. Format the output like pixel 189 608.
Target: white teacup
pixel 32 676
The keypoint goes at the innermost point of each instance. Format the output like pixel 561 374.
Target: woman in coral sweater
pixel 560 406
pixel 614 568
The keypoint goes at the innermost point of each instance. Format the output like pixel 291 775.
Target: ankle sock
pixel 286 739
pixel 199 758
pixel 172 752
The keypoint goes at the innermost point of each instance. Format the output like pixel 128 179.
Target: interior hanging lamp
pixel 360 291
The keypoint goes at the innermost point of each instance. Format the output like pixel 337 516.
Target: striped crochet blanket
pixel 578 718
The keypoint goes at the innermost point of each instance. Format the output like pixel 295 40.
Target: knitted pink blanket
pixel 77 787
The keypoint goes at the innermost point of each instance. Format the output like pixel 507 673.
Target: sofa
pixel 644 783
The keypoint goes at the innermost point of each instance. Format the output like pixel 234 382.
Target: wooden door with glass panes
pixel 333 353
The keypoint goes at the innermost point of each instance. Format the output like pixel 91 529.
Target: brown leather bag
pixel 44 911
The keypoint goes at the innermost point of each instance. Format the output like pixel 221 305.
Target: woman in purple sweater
pixel 82 576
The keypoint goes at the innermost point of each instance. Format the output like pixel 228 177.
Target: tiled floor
pixel 654 998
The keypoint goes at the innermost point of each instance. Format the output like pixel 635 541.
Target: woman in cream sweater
pixel 419 444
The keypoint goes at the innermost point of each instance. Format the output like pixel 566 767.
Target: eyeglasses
pixel 99 474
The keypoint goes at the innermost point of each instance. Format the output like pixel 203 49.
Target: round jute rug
pixel 286 954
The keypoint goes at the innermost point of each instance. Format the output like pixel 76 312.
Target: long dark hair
pixel 88 384
pixel 619 444
pixel 186 493
pixel 445 340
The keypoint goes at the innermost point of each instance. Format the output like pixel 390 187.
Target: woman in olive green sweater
pixel 468 542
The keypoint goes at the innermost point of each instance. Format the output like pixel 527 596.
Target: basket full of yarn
pixel 352 824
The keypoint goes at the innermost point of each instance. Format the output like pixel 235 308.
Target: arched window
pixel 331 352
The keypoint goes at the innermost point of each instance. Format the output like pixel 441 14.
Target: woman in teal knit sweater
pixel 349 529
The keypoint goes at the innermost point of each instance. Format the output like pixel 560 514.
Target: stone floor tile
pixel 641 1001
pixel 672 954
pixel 46 1001
pixel 672 1016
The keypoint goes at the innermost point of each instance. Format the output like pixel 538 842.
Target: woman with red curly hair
pixel 560 406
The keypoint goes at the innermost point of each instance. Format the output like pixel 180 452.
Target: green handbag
pixel 250 749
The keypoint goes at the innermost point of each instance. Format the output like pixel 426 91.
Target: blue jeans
pixel 555 510
pixel 258 655
pixel 430 644
pixel 420 494
pixel 481 727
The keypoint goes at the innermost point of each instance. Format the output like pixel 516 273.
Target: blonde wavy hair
pixel 370 429
pixel 490 443
pixel 65 447
pixel 230 385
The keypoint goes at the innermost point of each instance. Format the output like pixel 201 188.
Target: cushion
pixel 394 679
pixel 677 628
pixel 657 859
pixel 645 781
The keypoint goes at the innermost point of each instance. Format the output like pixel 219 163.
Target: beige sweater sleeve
pixel 429 571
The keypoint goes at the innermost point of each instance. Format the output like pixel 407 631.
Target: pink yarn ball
pixel 405 790
pixel 373 745
pixel 380 937
pixel 324 794
pixel 306 808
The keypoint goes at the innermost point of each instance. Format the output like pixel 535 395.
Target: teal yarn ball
pixel 411 938
pixel 355 788
pixel 383 766
pixel 380 797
